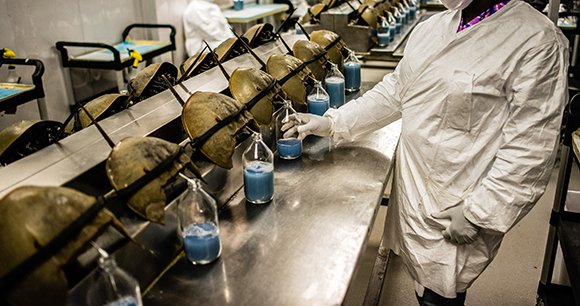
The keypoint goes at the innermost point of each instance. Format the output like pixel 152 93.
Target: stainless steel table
pixel 302 248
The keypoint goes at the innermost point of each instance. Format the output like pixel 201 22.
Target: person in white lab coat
pixel 204 20
pixel 481 96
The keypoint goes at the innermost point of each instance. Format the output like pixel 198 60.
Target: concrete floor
pixel 511 279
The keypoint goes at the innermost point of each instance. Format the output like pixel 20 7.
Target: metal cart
pixel 116 57
pixel 12 95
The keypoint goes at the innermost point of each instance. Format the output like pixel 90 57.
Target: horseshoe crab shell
pixel 229 49
pixel 201 112
pixel 259 34
pixel 26 137
pixel 149 81
pixel 279 66
pixel 204 63
pixel 30 217
pixel 325 38
pixel 369 15
pixel 313 13
pixel 99 108
pixel 132 158
pixel 306 50
pixel 246 83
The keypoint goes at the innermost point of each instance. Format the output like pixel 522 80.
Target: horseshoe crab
pixel 259 34
pixel 32 216
pixel 324 38
pixel 149 82
pixel 246 83
pixel 279 66
pixel 204 63
pixel 26 137
pixel 313 13
pixel 204 110
pixel 132 158
pixel 305 51
pixel 369 15
pixel 99 108
pixel 229 49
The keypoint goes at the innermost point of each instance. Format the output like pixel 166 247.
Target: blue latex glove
pixel 461 230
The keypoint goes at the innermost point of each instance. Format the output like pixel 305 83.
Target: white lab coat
pixel 204 19
pixel 481 112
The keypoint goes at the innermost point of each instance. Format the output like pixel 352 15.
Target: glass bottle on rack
pixel 258 164
pixel 112 286
pixel 412 9
pixel 404 12
pixel 198 221
pixel 392 25
pixel 352 75
pixel 318 100
pixel 289 147
pixel 383 33
pixel 398 19
pixel 334 83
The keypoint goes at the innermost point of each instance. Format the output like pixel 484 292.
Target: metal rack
pixel 564 224
pixel 110 57
pixel 26 93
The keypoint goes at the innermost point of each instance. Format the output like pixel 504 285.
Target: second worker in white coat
pixel 481 90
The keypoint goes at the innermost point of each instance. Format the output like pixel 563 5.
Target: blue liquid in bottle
pixel 384 39
pixel 289 148
pixel 335 89
pixel 202 242
pixel 352 76
pixel 125 301
pixel 392 30
pixel 412 12
pixel 259 181
pixel 317 106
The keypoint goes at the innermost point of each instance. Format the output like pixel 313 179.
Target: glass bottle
pixel 398 20
pixel 318 100
pixel 393 25
pixel 412 9
pixel 12 75
pixel 334 83
pixel 258 164
pixel 404 12
pixel 289 147
pixel 198 220
pixel 352 76
pixel 113 286
pixel 383 33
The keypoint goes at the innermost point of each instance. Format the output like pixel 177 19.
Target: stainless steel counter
pixel 301 248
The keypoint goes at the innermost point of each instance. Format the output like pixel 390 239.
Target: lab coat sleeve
pixel 374 110
pixel 522 166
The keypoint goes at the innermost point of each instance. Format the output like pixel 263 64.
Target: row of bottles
pixel 393 20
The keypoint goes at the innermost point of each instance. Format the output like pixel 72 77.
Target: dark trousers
pixel 431 298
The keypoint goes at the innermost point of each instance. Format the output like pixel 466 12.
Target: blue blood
pixel 317 106
pixel 398 27
pixel 412 12
pixel 259 182
pixel 335 89
pixel 392 32
pixel 352 76
pixel 289 148
pixel 201 242
pixel 384 39
pixel 125 301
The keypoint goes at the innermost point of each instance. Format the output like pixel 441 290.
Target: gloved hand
pixel 460 230
pixel 307 124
